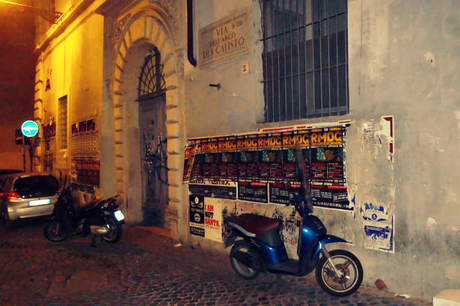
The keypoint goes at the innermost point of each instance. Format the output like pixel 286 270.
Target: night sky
pixel 17 79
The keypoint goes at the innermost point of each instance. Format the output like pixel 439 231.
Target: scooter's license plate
pixel 119 215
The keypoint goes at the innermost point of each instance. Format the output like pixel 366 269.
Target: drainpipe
pixel 190 56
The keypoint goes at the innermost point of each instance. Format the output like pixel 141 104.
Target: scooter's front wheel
pixel 54 231
pixel 349 269
pixel 245 261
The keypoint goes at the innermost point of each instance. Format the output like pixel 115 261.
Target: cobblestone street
pixel 146 268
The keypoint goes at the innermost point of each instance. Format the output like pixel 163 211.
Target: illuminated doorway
pixel 153 141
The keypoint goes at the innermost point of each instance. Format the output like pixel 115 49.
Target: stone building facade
pixel 127 91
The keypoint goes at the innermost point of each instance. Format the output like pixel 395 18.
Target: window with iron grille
pixel 152 81
pixel 62 123
pixel 305 58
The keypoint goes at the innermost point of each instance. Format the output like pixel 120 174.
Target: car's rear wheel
pixel 9 224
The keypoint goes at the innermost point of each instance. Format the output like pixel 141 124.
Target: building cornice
pixel 64 21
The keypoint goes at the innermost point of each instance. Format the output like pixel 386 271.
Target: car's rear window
pixel 36 186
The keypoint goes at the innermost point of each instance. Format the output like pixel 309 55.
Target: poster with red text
pixel 212 219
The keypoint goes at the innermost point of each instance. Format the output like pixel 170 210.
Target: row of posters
pixel 264 167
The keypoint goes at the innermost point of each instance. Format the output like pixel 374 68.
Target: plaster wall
pixel 403 59
pixel 72 66
pixel 238 105
pixel 84 61
pixel 63 5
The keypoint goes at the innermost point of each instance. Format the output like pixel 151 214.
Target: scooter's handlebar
pixel 301 205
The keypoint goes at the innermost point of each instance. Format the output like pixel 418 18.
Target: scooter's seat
pixel 257 224
pixel 91 204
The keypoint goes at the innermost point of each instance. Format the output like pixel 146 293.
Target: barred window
pixel 305 59
pixel 63 126
pixel 152 80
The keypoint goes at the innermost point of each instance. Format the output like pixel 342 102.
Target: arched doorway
pixel 135 37
pixel 153 140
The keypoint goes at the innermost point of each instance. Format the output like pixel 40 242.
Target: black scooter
pixel 100 217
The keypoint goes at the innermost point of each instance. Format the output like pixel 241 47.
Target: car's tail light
pixel 12 195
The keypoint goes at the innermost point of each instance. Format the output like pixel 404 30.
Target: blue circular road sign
pixel 29 128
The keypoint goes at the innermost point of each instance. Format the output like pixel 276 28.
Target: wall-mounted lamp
pixel 215 85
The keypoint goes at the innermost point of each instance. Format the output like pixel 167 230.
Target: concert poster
pixel 282 193
pixel 189 155
pixel 254 192
pixel 265 168
pixel 271 157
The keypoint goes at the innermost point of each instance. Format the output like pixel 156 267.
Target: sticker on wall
pixel 196 215
pixel 378 228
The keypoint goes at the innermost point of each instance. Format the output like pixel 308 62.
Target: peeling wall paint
pixel 380 136
pixel 378 213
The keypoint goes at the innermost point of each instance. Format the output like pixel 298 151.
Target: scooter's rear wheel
pixel 54 231
pixel 349 268
pixel 243 251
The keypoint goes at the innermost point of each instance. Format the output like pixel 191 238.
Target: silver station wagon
pixel 27 195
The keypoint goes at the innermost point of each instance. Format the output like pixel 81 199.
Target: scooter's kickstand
pixel 93 241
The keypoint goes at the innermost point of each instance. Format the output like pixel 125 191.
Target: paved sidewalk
pixel 146 268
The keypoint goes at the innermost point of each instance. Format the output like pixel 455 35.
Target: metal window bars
pixel 151 80
pixel 305 59
pixel 62 123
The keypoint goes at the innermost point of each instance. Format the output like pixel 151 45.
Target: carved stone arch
pixel 146 28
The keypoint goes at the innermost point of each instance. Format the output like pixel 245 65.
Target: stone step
pixel 448 297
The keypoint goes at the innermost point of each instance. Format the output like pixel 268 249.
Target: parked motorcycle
pixel 257 247
pixel 100 217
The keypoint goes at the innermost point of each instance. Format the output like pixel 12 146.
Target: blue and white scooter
pixel 257 247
